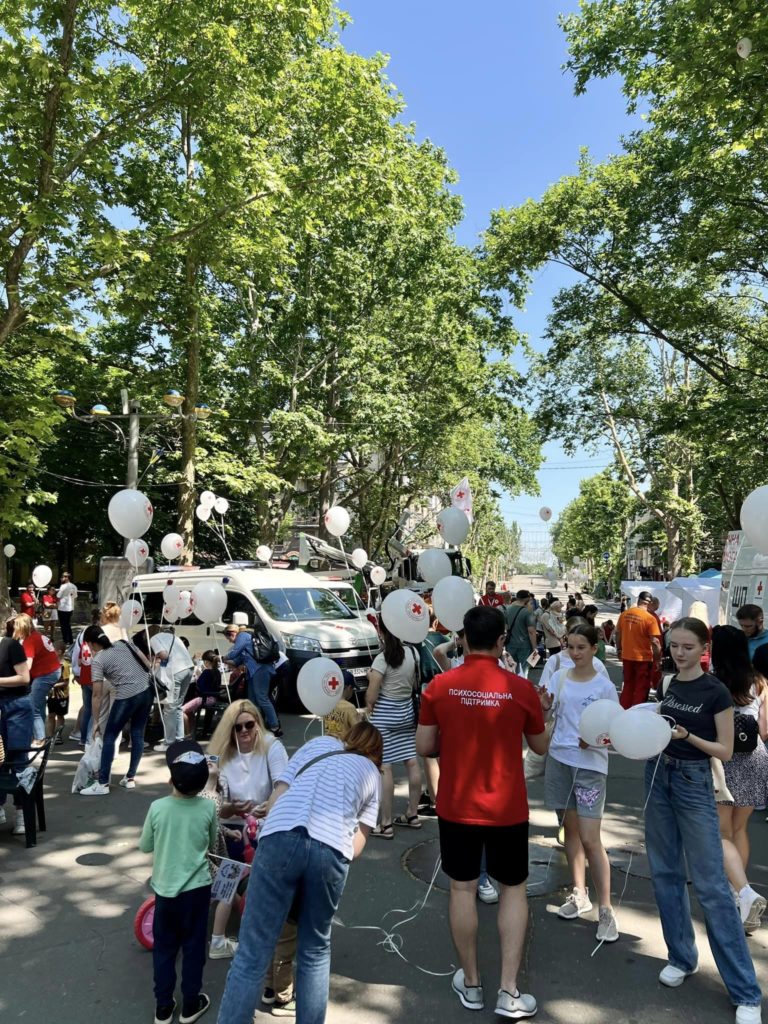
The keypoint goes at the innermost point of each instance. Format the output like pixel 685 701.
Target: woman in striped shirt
pixel 125 667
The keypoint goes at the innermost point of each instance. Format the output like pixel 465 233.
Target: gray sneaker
pixel 607 926
pixel 578 903
pixel 470 996
pixel 516 1006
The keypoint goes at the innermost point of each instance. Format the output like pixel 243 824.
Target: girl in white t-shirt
pixel 575 779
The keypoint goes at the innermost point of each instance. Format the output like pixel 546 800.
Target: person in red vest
pixel 490 598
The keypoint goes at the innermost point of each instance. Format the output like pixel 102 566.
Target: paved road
pixel 67 952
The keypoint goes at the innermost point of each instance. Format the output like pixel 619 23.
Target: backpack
pixel 266 649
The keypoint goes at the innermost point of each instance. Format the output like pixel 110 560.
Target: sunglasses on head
pixel 245 726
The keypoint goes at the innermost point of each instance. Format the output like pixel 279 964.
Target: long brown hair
pixel 394 652
pixel 366 740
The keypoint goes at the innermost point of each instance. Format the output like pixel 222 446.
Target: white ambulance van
pixel 301 612
pixel 745 577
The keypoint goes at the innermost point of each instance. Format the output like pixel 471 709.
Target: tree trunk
pixel 6 607
pixel 674 546
pixel 187 487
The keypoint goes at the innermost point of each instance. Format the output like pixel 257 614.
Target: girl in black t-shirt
pixel 682 826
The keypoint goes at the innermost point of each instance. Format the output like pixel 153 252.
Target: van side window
pixel 237 602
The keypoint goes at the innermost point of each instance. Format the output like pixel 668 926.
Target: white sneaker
pixel 748 1015
pixel 607 926
pixel 578 903
pixel 487 892
pixel 127 783
pixel 18 828
pixel 470 996
pixel 751 908
pixel 161 747
pixel 515 1006
pixel 673 977
pixel 95 789
pixel 223 950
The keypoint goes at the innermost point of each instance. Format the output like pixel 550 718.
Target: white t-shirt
pixel 558 661
pixel 568 709
pixel 330 798
pixel 179 660
pixel 66 594
pixel 252 776
pixel 397 683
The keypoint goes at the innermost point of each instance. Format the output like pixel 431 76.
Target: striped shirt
pixel 329 799
pixel 118 666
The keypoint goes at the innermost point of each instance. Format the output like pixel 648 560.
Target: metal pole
pixel 132 473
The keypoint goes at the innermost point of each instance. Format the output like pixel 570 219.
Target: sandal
pixel 407 822
pixel 383 832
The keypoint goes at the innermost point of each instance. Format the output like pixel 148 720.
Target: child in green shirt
pixel 180 830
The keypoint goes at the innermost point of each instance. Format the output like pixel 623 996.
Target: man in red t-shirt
pixel 475 716
pixel 490 598
pixel 28 601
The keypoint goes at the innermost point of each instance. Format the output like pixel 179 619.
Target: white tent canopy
pixel 676 598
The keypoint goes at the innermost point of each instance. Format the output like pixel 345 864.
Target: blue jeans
pixel 258 692
pixel 681 825
pixel 287 863
pixel 16 726
pixel 520 657
pixel 136 711
pixel 85 721
pixel 41 687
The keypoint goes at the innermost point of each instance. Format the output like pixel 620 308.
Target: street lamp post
pixel 132 410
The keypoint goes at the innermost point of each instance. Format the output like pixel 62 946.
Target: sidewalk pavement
pixel 67 951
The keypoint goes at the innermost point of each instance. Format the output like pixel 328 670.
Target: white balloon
pixel 744 47
pixel 263 553
pixel 359 558
pixel 172 545
pixel 130 614
pixel 41 575
pixel 170 613
pixel 130 513
pixel 209 601
pixel 378 575
pixel 337 521
pixel 451 599
pixel 203 513
pixel 639 734
pixel 754 519
pixel 171 594
pixel 184 604
pixel 453 526
pixel 596 720
pixel 545 513
pixel 406 615
pixel 137 552
pixel 221 505
pixel 320 685
pixel 9 550
pixel 434 565
pixel 207 499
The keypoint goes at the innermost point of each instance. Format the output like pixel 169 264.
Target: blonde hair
pixel 223 740
pixel 22 627
pixel 110 613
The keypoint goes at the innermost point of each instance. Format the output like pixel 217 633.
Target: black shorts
pixel 506 851
pixel 58 706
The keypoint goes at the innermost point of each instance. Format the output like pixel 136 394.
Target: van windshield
pixel 301 604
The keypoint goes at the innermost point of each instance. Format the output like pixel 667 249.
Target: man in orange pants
pixel 638 645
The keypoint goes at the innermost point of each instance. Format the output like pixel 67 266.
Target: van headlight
pixel 302 643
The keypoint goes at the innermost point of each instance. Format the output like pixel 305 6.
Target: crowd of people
pixel 459 733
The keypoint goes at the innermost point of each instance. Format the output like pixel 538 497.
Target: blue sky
pixel 484 82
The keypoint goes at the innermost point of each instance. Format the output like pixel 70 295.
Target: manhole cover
pixel 93 859
pixel 547 866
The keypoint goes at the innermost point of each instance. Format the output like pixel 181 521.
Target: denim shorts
pixel 574 789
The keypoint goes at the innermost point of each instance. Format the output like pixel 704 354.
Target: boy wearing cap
pixel 180 830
